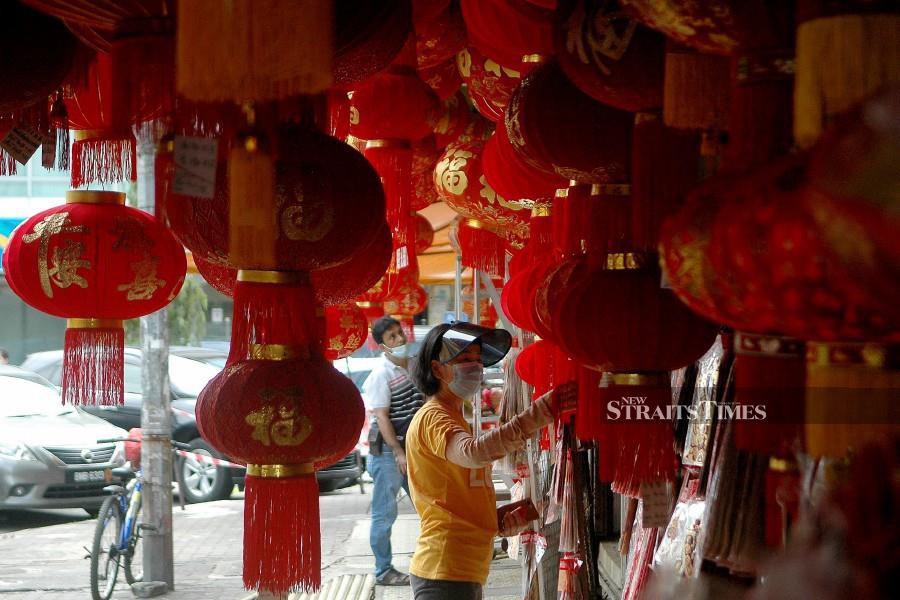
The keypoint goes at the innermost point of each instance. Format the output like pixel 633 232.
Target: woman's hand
pixel 515 522
pixel 562 399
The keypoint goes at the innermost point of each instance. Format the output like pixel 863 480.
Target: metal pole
pixel 457 286
pixel 476 297
pixel 156 449
pixel 495 300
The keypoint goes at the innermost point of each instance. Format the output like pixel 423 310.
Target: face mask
pixel 401 351
pixel 466 379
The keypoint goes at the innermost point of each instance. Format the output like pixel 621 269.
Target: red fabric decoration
pixel 444 79
pixel 480 248
pixel 457 120
pixel 95 262
pixel 394 105
pixel 460 182
pixel 502 30
pixel 438 39
pixel 424 234
pixel 561 130
pixel 489 85
pixel 220 277
pixel 487 314
pixel 278 417
pixel 611 58
pixel 338 114
pixel 424 158
pixel 346 329
pixel 368 36
pixel 511 176
pixel 407 301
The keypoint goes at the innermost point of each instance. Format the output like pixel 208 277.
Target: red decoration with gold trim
pixel 490 86
pixel 346 329
pixel 506 32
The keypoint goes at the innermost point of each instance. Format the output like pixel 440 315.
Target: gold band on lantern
pixel 821 354
pixel 624 261
pixel 540 210
pixel 642 379
pixel 474 224
pixel 390 143
pixel 94 197
pixel 88 134
pixel 277 352
pixel 370 304
pixel 611 189
pixel 781 465
pixel 280 471
pixel 646 117
pixel 93 323
pixel 562 193
pixel 254 276
pixel 534 58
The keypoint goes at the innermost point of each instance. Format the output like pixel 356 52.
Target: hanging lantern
pixel 443 79
pixel 458 121
pixel 846 50
pixel 506 32
pixel 424 234
pixel 438 39
pixel 368 37
pixel 559 129
pixel 610 57
pixel 511 176
pixel 407 302
pixel 480 248
pixel 276 413
pixel 251 50
pixel 425 156
pixel 345 330
pixel 95 262
pixel 517 296
pixel 460 182
pixel 489 85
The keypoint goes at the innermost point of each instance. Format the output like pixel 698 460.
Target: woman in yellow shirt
pixel 450 470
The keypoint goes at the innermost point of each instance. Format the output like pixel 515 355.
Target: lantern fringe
pixel 8 164
pixel 393 162
pixel 103 160
pixel 94 366
pixel 252 223
pixel 266 313
pixel 257 50
pixel 482 249
pixel 841 60
pixel 59 118
pixel 282 549
pixel 143 68
pixel 695 93
pixel 664 168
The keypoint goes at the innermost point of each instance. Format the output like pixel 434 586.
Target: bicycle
pixel 117 534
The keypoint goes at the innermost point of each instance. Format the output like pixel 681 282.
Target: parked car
pixel 49 454
pixel 190 369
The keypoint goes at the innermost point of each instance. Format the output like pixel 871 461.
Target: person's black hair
pixel 4 354
pixel 382 325
pixel 420 370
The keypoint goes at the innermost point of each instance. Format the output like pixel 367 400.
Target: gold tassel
pixel 245 50
pixel 841 60
pixel 851 395
pixel 252 217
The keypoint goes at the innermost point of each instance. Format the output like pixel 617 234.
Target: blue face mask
pixel 466 379
pixel 401 351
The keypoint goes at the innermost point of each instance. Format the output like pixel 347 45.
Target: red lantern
pixel 407 301
pixel 346 329
pixel 368 37
pixel 506 32
pixel 489 85
pixel 480 248
pixel 561 130
pixel 95 262
pixel 424 234
pixel 277 415
pixel 439 39
pixel 424 157
pixel 458 121
pixel 220 277
pixel 443 79
pixel 511 176
pixel 611 58
pixel 460 181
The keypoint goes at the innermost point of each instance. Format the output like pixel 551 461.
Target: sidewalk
pixel 48 562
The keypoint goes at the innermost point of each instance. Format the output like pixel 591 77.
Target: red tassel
pixel 481 249
pixel 59 119
pixel 282 549
pixel 94 364
pixel 143 67
pixel 393 161
pixel 103 160
pixel 272 307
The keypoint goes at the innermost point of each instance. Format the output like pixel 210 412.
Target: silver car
pixel 49 453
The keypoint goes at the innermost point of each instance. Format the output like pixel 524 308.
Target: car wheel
pixel 204 482
pixel 329 486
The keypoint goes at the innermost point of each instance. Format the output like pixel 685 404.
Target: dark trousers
pixel 440 589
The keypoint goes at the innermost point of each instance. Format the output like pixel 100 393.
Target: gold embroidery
pixel 302 218
pixel 66 262
pixel 449 173
pixel 130 237
pixel 44 230
pixel 145 281
pixel 464 63
pixel 354 115
pixel 497 70
pixel 286 428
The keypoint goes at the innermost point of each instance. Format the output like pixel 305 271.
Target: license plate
pixel 88 476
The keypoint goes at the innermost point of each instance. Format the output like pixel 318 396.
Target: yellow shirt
pixel 456 505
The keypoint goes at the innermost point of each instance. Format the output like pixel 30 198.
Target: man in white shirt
pixel 393 400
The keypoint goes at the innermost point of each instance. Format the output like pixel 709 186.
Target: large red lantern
pixel 490 85
pixel 443 79
pixel 610 57
pixel 95 262
pixel 276 413
pixel 511 175
pixel 439 39
pixel 425 156
pixel 506 31
pixel 558 128
pixel 346 329
pixel 368 37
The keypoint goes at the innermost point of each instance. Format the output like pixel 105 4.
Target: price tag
pixel 195 159
pixel 657 500
pixel 48 151
pixel 21 143
pixel 402 257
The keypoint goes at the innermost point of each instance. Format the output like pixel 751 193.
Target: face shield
pixel 495 343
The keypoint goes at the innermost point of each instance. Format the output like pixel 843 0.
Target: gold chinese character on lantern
pixel 65 265
pixel 145 281
pixel 281 426
pixel 307 218
pixel 130 237
pixel 449 171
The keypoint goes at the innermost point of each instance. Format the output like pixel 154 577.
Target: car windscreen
pixel 188 377
pixel 22 398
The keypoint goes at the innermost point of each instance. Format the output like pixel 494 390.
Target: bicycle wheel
pixel 104 554
pixel 134 560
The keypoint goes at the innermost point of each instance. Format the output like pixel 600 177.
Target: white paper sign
pixel 195 159
pixel 21 143
pixel 657 504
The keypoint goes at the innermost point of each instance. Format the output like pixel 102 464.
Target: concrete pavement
pixel 49 561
